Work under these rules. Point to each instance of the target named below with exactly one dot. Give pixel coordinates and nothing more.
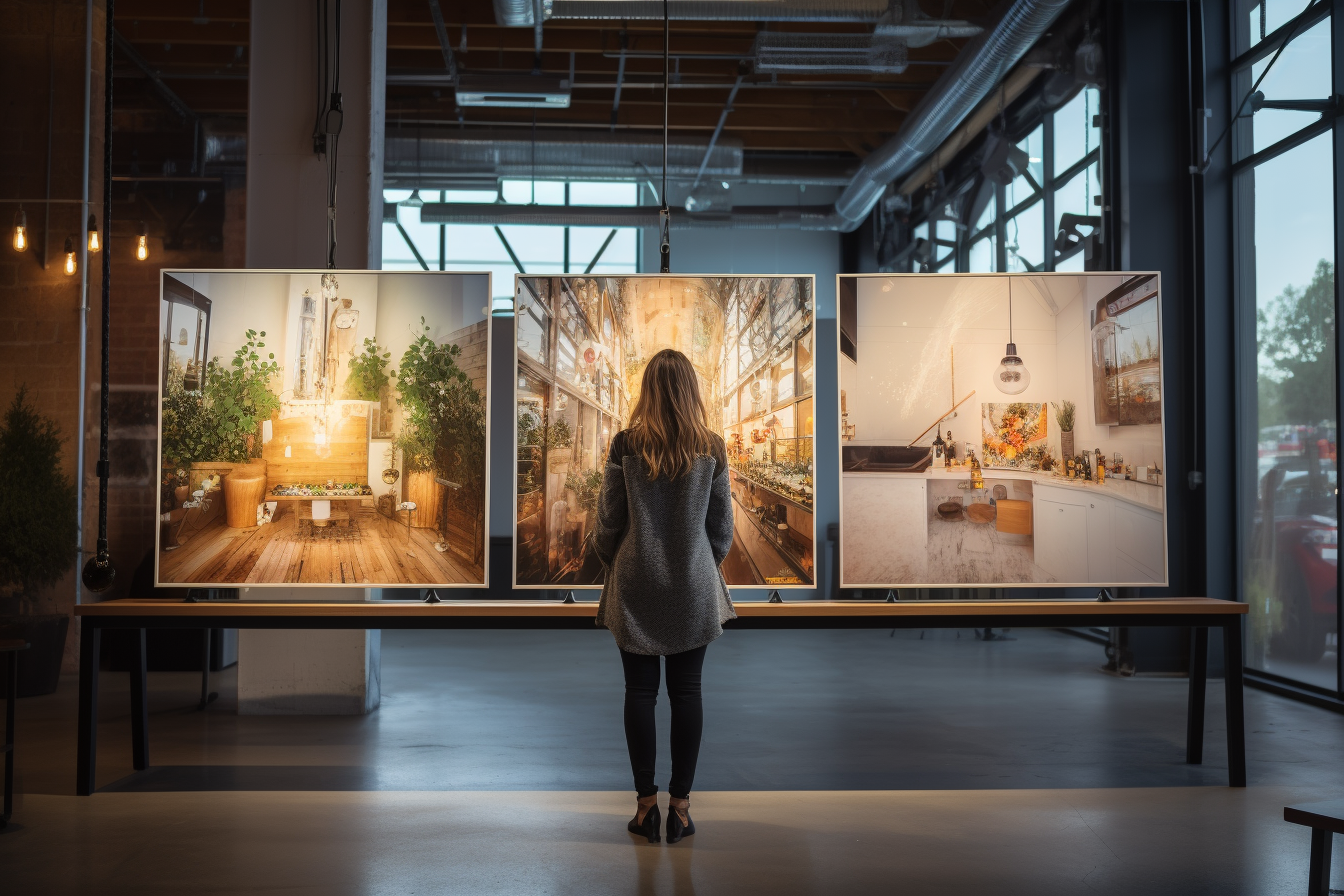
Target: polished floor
(834, 762)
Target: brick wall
(473, 342)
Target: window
(1010, 231)
(411, 245)
(1287, 201)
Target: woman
(664, 524)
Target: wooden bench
(1197, 613)
(1325, 819)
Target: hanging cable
(99, 572)
(664, 213)
(330, 113)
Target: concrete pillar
(312, 672)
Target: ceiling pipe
(792, 217)
(519, 13)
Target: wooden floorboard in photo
(374, 551)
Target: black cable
(99, 572)
(1194, 475)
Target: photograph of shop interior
(583, 344)
(1019, 320)
(963, 467)
(309, 421)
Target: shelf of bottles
(788, 474)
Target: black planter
(40, 664)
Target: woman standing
(664, 524)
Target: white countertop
(1140, 494)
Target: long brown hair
(668, 426)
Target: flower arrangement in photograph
(1014, 434)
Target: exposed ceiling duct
(518, 13)
(786, 52)
(792, 217)
(438, 160)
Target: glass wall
(1286, 200)
(409, 245)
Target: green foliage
(240, 397)
(1296, 334)
(368, 373)
(190, 433)
(37, 501)
(531, 433)
(1065, 412)
(587, 488)
(444, 415)
(559, 435)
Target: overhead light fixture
(20, 230)
(95, 243)
(1012, 376)
(142, 243)
(70, 264)
(510, 90)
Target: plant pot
(1066, 443)
(426, 493)
(244, 489)
(40, 664)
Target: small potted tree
(1064, 416)
(37, 541)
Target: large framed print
(580, 348)
(323, 428)
(1001, 430)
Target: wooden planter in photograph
(426, 493)
(244, 489)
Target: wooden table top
(1327, 815)
(821, 609)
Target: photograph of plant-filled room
(582, 345)
(323, 427)
(1001, 430)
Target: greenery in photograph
(1296, 335)
(587, 487)
(37, 502)
(189, 431)
(444, 414)
(240, 397)
(368, 373)
(1065, 413)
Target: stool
(1325, 820)
(11, 647)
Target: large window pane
(1025, 185)
(1023, 238)
(1291, 554)
(1077, 197)
(1275, 12)
(1076, 133)
(1302, 73)
(981, 257)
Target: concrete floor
(834, 762)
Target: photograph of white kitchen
(1001, 430)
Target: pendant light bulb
(1012, 376)
(20, 230)
(95, 243)
(142, 244)
(70, 264)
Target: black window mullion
(1048, 189)
(1000, 230)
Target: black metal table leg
(11, 697)
(206, 696)
(90, 641)
(1236, 714)
(1318, 881)
(139, 702)
(1194, 712)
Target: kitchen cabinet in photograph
(1061, 540)
(1140, 539)
(1101, 541)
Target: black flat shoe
(649, 828)
(675, 829)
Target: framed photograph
(580, 348)
(1001, 430)
(323, 428)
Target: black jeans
(688, 717)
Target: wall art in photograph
(581, 348)
(1001, 430)
(323, 428)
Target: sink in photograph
(886, 459)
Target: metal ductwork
(520, 13)
(711, 10)
(786, 52)
(439, 160)
(793, 217)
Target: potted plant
(38, 528)
(1064, 416)
(240, 398)
(587, 488)
(559, 444)
(369, 381)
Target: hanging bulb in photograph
(70, 264)
(20, 230)
(142, 243)
(95, 242)
(1012, 376)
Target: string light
(142, 244)
(95, 244)
(70, 264)
(20, 230)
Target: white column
(312, 672)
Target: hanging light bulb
(142, 244)
(20, 230)
(95, 244)
(329, 287)
(70, 264)
(1012, 376)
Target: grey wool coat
(661, 542)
